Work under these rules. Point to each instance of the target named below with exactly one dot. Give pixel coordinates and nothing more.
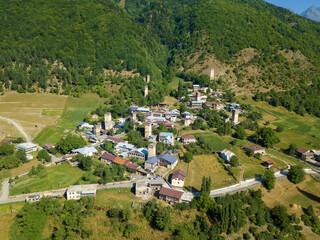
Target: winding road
(18, 127)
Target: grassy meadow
(49, 178)
(52, 112)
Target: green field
(76, 109)
(52, 112)
(49, 178)
(50, 134)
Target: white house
(226, 155)
(186, 139)
(166, 137)
(27, 147)
(177, 178)
(123, 147)
(86, 151)
(78, 191)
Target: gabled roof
(49, 145)
(121, 161)
(116, 140)
(141, 150)
(170, 193)
(302, 150)
(85, 150)
(133, 166)
(254, 148)
(187, 137)
(168, 158)
(125, 145)
(152, 160)
(179, 174)
(166, 134)
(108, 156)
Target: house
(118, 127)
(186, 139)
(151, 163)
(140, 153)
(27, 147)
(196, 104)
(85, 126)
(186, 122)
(107, 158)
(166, 137)
(217, 106)
(195, 87)
(78, 191)
(86, 151)
(316, 154)
(115, 140)
(268, 163)
(29, 157)
(256, 149)
(170, 195)
(216, 94)
(6, 141)
(123, 147)
(133, 166)
(69, 156)
(48, 145)
(187, 115)
(305, 154)
(226, 155)
(177, 178)
(121, 161)
(168, 161)
(139, 109)
(33, 197)
(146, 189)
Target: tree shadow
(309, 195)
(191, 189)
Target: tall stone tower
(198, 96)
(108, 121)
(235, 116)
(147, 129)
(134, 116)
(151, 150)
(148, 78)
(97, 129)
(212, 74)
(146, 90)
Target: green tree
(163, 218)
(188, 157)
(6, 149)
(292, 149)
(269, 179)
(234, 161)
(240, 133)
(44, 156)
(268, 137)
(70, 142)
(108, 146)
(296, 174)
(86, 163)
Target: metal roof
(168, 158)
(152, 160)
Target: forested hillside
(67, 47)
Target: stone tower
(134, 116)
(97, 129)
(235, 115)
(108, 121)
(146, 90)
(148, 78)
(212, 74)
(147, 130)
(151, 150)
(198, 96)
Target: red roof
(108, 156)
(49, 145)
(170, 193)
(254, 148)
(133, 166)
(113, 139)
(302, 150)
(179, 174)
(187, 137)
(121, 161)
(6, 141)
(69, 155)
(269, 162)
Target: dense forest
(67, 47)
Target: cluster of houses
(311, 156)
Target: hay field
(7, 130)
(27, 109)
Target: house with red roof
(305, 154)
(186, 139)
(170, 195)
(177, 178)
(256, 149)
(107, 158)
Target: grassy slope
(49, 178)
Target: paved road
(18, 127)
(4, 190)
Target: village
(154, 171)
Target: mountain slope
(312, 13)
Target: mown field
(75, 110)
(49, 178)
(27, 110)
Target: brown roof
(133, 166)
(254, 147)
(302, 150)
(6, 141)
(108, 156)
(170, 193)
(187, 137)
(113, 139)
(179, 174)
(120, 160)
(269, 162)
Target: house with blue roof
(166, 137)
(163, 160)
(140, 153)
